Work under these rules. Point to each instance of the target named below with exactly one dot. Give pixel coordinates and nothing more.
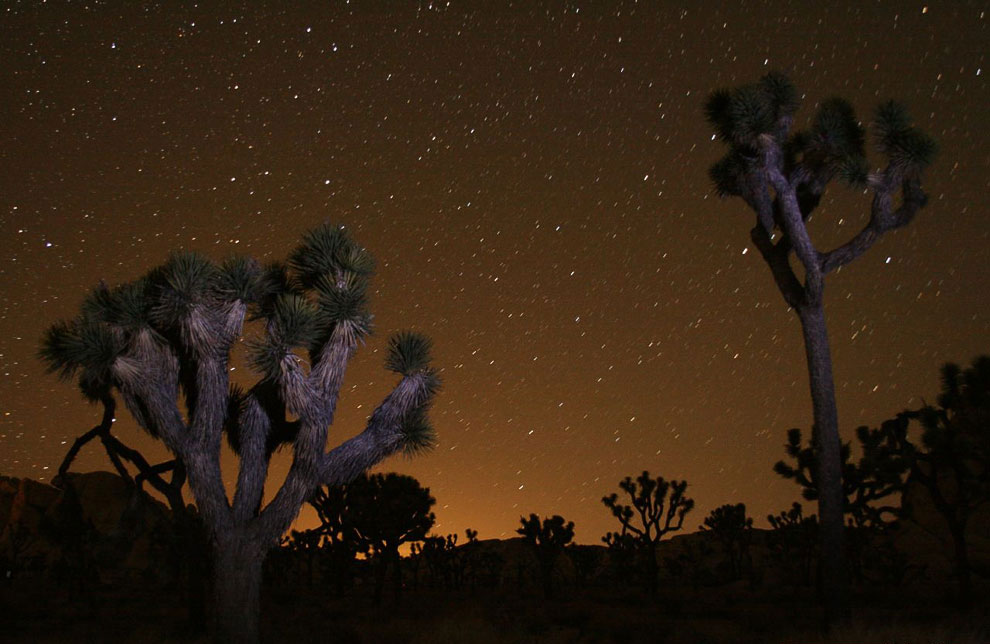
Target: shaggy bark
(166, 339)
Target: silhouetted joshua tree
(877, 476)
(734, 530)
(547, 538)
(781, 175)
(794, 542)
(187, 546)
(383, 512)
(438, 553)
(652, 515)
(953, 461)
(339, 545)
(167, 337)
(118, 452)
(879, 473)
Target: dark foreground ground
(32, 613)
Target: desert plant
(652, 515)
(733, 529)
(794, 542)
(547, 539)
(382, 512)
(952, 462)
(782, 175)
(167, 338)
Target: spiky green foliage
(83, 345)
(166, 340)
(240, 279)
(295, 322)
(344, 301)
(741, 115)
(780, 92)
(836, 129)
(186, 279)
(418, 434)
(126, 306)
(907, 147)
(408, 353)
(329, 251)
(728, 175)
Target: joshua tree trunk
(828, 447)
(237, 567)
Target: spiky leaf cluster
(418, 434)
(240, 278)
(84, 346)
(185, 280)
(329, 251)
(834, 145)
(740, 116)
(408, 353)
(343, 301)
(907, 148)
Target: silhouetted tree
(340, 544)
(438, 552)
(383, 512)
(651, 516)
(953, 461)
(733, 529)
(877, 476)
(168, 336)
(547, 538)
(187, 547)
(879, 473)
(781, 175)
(794, 541)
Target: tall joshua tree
(166, 339)
(652, 515)
(781, 175)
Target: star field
(531, 178)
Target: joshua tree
(793, 541)
(382, 512)
(547, 539)
(782, 175)
(953, 461)
(657, 515)
(438, 552)
(188, 545)
(167, 338)
(730, 525)
(118, 452)
(879, 473)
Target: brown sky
(532, 180)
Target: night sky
(531, 178)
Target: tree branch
(792, 221)
(254, 458)
(882, 217)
